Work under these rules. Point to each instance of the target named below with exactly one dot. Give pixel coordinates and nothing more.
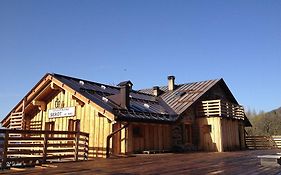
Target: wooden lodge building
(201, 116)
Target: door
(116, 140)
(188, 134)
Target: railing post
(86, 148)
(5, 150)
(45, 147)
(77, 138)
(220, 106)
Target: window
(73, 125)
(180, 94)
(137, 131)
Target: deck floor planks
(241, 162)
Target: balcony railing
(213, 108)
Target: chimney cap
(171, 77)
(124, 83)
(156, 88)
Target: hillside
(268, 123)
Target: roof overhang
(48, 86)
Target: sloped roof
(142, 106)
(184, 95)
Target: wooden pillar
(77, 138)
(45, 147)
(86, 147)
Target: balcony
(219, 108)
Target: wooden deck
(241, 162)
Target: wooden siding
(225, 135)
(91, 121)
(152, 137)
(230, 134)
(210, 140)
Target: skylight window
(146, 105)
(180, 94)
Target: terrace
(240, 162)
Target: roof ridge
(216, 79)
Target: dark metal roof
(142, 106)
(184, 95)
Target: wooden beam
(40, 104)
(56, 87)
(78, 101)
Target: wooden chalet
(201, 116)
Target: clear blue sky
(143, 41)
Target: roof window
(180, 94)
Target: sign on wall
(62, 112)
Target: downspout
(110, 136)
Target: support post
(255, 142)
(109, 137)
(77, 138)
(5, 150)
(45, 147)
(86, 148)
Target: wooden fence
(263, 142)
(30, 147)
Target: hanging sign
(62, 112)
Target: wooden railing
(27, 147)
(263, 142)
(220, 108)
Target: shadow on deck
(240, 162)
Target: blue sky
(143, 41)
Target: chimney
(125, 88)
(171, 83)
(156, 91)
